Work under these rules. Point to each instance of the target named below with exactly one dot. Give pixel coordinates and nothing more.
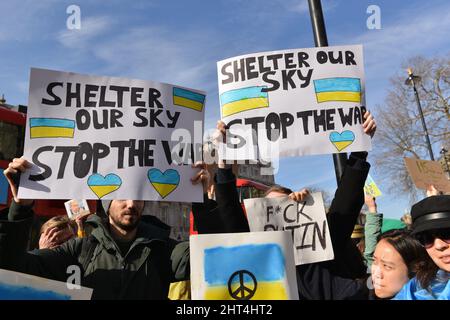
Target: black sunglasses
(426, 238)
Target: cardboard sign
(296, 102)
(370, 188)
(425, 173)
(94, 137)
(306, 221)
(243, 266)
(21, 286)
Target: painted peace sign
(242, 292)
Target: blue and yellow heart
(102, 186)
(164, 183)
(342, 140)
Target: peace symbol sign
(242, 292)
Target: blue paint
(50, 122)
(265, 261)
(11, 292)
(109, 180)
(170, 176)
(337, 84)
(4, 187)
(340, 137)
(183, 93)
(241, 94)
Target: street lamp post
(411, 81)
(321, 40)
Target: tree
(400, 131)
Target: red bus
(12, 136)
(246, 189)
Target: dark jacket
(225, 214)
(339, 279)
(329, 280)
(144, 272)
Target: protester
(335, 279)
(372, 229)
(55, 231)
(431, 227)
(122, 259)
(396, 260)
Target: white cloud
(412, 33)
(91, 27)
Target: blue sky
(180, 42)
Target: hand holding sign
(369, 124)
(15, 167)
(202, 176)
(299, 196)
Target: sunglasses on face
(427, 238)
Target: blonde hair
(60, 222)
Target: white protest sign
(306, 221)
(95, 137)
(305, 101)
(243, 266)
(21, 286)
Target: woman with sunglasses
(431, 227)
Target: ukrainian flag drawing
(239, 100)
(245, 272)
(51, 128)
(188, 99)
(338, 89)
(102, 186)
(164, 183)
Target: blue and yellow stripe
(338, 89)
(264, 261)
(188, 99)
(239, 100)
(51, 128)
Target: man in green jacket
(123, 258)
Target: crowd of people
(123, 255)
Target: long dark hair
(413, 254)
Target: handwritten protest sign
(96, 137)
(300, 101)
(21, 286)
(371, 188)
(243, 266)
(425, 173)
(306, 221)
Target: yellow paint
(164, 188)
(180, 290)
(191, 104)
(341, 145)
(51, 132)
(264, 291)
(244, 105)
(372, 190)
(102, 191)
(339, 96)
